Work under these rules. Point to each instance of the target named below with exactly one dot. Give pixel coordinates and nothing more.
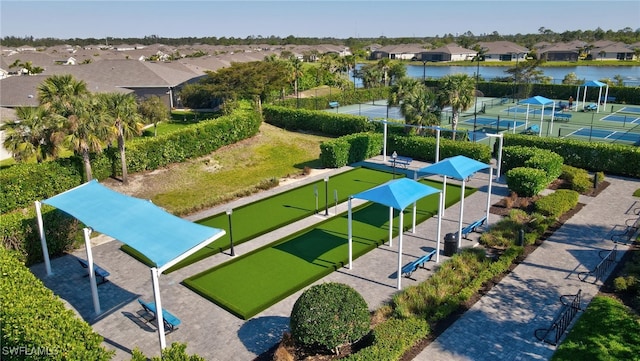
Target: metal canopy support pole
(439, 230)
(384, 143)
(158, 301)
(400, 251)
(350, 233)
(489, 197)
(461, 215)
(92, 275)
(437, 145)
(390, 226)
(43, 239)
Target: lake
(630, 74)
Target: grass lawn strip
(268, 214)
(253, 282)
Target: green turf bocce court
(252, 282)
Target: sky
(308, 18)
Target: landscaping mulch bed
(502, 208)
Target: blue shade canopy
(397, 193)
(458, 167)
(594, 83)
(536, 100)
(157, 234)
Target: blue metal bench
(402, 161)
(504, 101)
(413, 266)
(101, 274)
(609, 99)
(170, 321)
(591, 107)
(472, 227)
(334, 104)
(562, 116)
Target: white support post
(400, 251)
(92, 275)
(437, 145)
(415, 211)
(159, 316)
(390, 226)
(439, 229)
(43, 239)
(486, 222)
(384, 143)
(461, 215)
(350, 234)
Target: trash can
(450, 244)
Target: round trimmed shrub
(328, 316)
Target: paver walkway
(215, 334)
(501, 325)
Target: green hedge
(315, 121)
(19, 232)
(424, 148)
(349, 149)
(557, 203)
(527, 182)
(35, 324)
(618, 159)
(346, 97)
(22, 184)
(518, 156)
(391, 339)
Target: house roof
(502, 47)
(452, 49)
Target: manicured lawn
(606, 331)
(270, 213)
(252, 282)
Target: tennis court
(620, 118)
(497, 122)
(377, 110)
(610, 135)
(628, 109)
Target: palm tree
(415, 100)
(56, 93)
(35, 133)
(457, 91)
(88, 129)
(122, 111)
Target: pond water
(630, 74)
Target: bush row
(530, 170)
(392, 339)
(314, 121)
(34, 322)
(346, 97)
(19, 232)
(22, 184)
(617, 159)
(557, 203)
(424, 148)
(349, 149)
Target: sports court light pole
(326, 196)
(424, 71)
(394, 155)
(475, 105)
(229, 212)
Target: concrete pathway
(215, 334)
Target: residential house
(449, 52)
(613, 51)
(559, 52)
(399, 52)
(503, 51)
